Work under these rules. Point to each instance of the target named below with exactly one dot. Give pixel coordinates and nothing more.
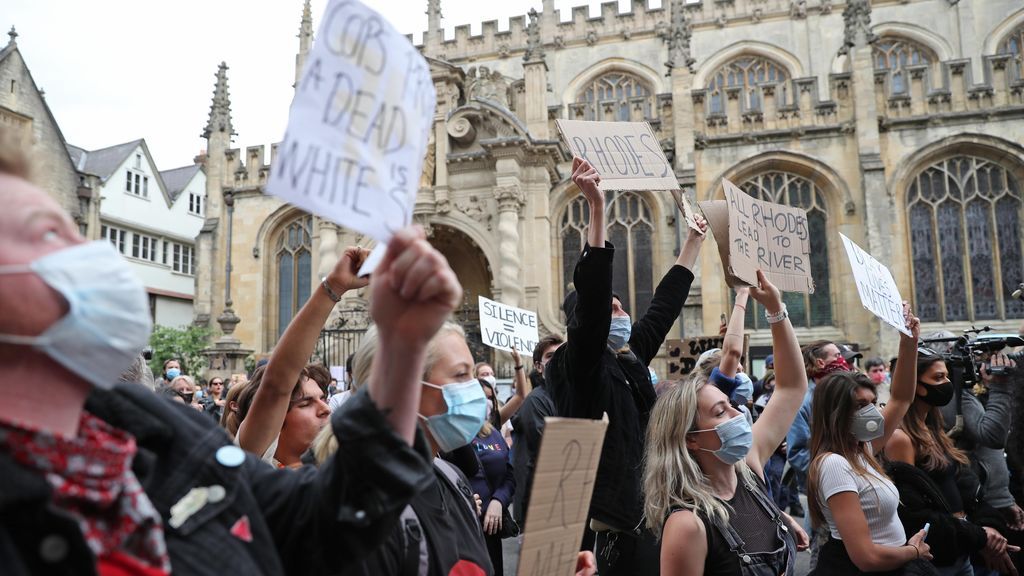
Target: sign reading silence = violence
(358, 126)
(627, 155)
(754, 234)
(506, 327)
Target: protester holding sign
(703, 476)
(846, 487)
(602, 368)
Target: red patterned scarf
(91, 476)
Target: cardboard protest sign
(753, 234)
(358, 127)
(507, 327)
(562, 486)
(878, 291)
(683, 354)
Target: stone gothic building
(895, 122)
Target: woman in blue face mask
(703, 475)
(847, 490)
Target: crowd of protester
(413, 465)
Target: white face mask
(107, 323)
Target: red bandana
(91, 476)
(838, 365)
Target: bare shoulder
(683, 526)
(900, 447)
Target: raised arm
(270, 403)
(732, 343)
(904, 380)
(790, 378)
(523, 388)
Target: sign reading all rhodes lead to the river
(507, 327)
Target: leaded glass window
(806, 310)
(965, 215)
(747, 73)
(616, 96)
(895, 53)
(293, 256)
(630, 228)
(1014, 44)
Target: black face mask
(938, 395)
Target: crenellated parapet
(948, 91)
(774, 111)
(249, 170)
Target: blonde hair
(672, 476)
(188, 380)
(324, 445)
(362, 359)
(434, 347)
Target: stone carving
(679, 36)
(721, 21)
(559, 42)
(756, 15)
(510, 198)
(474, 209)
(826, 6)
(504, 51)
(856, 24)
(534, 47)
(427, 176)
(661, 30)
(591, 38)
(798, 9)
(488, 85)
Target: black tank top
(757, 529)
(945, 478)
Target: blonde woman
(703, 480)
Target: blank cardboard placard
(358, 125)
(683, 354)
(876, 286)
(716, 212)
(562, 486)
(506, 327)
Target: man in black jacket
(104, 478)
(595, 373)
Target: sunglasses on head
(923, 352)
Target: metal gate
(342, 338)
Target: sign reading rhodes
(753, 234)
(358, 126)
(627, 155)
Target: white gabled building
(152, 218)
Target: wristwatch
(778, 316)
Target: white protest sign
(878, 291)
(507, 327)
(358, 127)
(563, 484)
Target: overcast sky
(117, 70)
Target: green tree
(185, 344)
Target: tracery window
(294, 262)
(806, 310)
(614, 96)
(630, 227)
(1014, 44)
(965, 241)
(895, 53)
(747, 73)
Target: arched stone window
(965, 240)
(630, 226)
(895, 53)
(805, 310)
(746, 73)
(1014, 44)
(293, 264)
(616, 96)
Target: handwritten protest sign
(627, 155)
(753, 234)
(683, 354)
(507, 327)
(878, 291)
(358, 126)
(562, 486)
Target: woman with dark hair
(847, 490)
(935, 482)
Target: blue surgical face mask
(467, 411)
(654, 376)
(173, 373)
(107, 323)
(868, 424)
(619, 332)
(744, 390)
(736, 438)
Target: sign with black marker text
(506, 327)
(683, 354)
(876, 286)
(358, 126)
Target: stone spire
(220, 109)
(432, 39)
(13, 36)
(857, 25)
(679, 35)
(305, 40)
(534, 45)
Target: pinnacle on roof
(220, 109)
(13, 35)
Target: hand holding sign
(877, 289)
(358, 126)
(588, 180)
